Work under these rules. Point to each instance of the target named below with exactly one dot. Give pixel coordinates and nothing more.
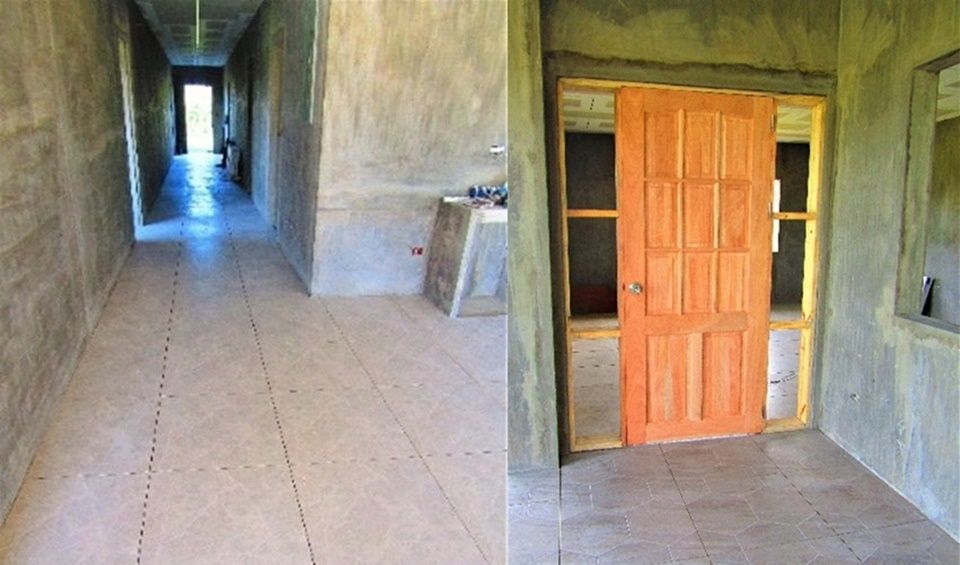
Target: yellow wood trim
(789, 325)
(565, 265)
(783, 425)
(562, 168)
(594, 443)
(606, 85)
(805, 216)
(811, 260)
(571, 413)
(591, 213)
(595, 334)
(803, 375)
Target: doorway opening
(591, 236)
(130, 131)
(794, 212)
(198, 102)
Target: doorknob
(635, 288)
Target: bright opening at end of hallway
(198, 100)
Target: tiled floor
(219, 415)
(770, 499)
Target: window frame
(918, 184)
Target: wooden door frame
(814, 232)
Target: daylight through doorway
(198, 100)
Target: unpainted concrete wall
(304, 29)
(887, 388)
(65, 211)
(255, 67)
(282, 54)
(153, 107)
(532, 431)
(415, 96)
(768, 34)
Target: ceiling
(222, 22)
(589, 111)
(948, 93)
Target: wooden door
(695, 171)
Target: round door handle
(635, 288)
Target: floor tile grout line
(169, 470)
(443, 349)
(686, 508)
(403, 429)
(159, 403)
(266, 376)
(809, 503)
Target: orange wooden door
(695, 171)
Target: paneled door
(695, 171)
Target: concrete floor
(770, 499)
(219, 415)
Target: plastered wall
(153, 107)
(65, 210)
(415, 94)
(275, 85)
(887, 389)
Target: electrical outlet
(416, 250)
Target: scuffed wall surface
(153, 107)
(784, 34)
(301, 116)
(415, 96)
(65, 210)
(888, 386)
(532, 435)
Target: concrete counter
(467, 269)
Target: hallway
(219, 415)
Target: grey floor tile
(235, 516)
(395, 503)
(88, 520)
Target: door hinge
(773, 123)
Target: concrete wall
(887, 388)
(532, 434)
(942, 261)
(767, 34)
(275, 87)
(153, 107)
(415, 96)
(793, 165)
(65, 210)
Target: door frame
(814, 233)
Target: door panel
(694, 171)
